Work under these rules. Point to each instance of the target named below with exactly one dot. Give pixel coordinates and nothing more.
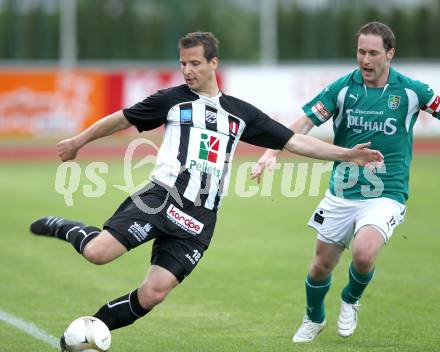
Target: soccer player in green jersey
(373, 103)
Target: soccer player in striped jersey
(202, 128)
(373, 103)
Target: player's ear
(214, 62)
(390, 54)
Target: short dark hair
(380, 29)
(205, 39)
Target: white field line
(29, 328)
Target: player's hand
(362, 156)
(268, 160)
(67, 149)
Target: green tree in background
(149, 29)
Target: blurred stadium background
(66, 63)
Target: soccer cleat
(347, 320)
(49, 225)
(63, 344)
(308, 331)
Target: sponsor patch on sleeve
(321, 111)
(186, 116)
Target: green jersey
(385, 116)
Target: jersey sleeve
(149, 113)
(265, 132)
(429, 100)
(325, 105)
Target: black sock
(77, 234)
(122, 311)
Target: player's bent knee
(95, 255)
(150, 297)
(103, 249)
(363, 263)
(320, 271)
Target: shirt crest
(393, 102)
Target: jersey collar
(215, 100)
(215, 97)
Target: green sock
(315, 293)
(356, 285)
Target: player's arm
(317, 149)
(68, 148)
(302, 125)
(268, 160)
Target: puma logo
(353, 97)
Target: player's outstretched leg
(118, 313)
(122, 311)
(127, 309)
(51, 225)
(75, 232)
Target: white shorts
(337, 220)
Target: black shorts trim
(119, 237)
(178, 255)
(167, 261)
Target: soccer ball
(87, 334)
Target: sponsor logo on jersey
(360, 120)
(206, 151)
(210, 116)
(233, 126)
(209, 147)
(140, 232)
(321, 111)
(186, 116)
(393, 102)
(184, 221)
(204, 167)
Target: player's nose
(187, 69)
(366, 60)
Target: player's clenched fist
(67, 149)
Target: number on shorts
(196, 255)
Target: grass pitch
(247, 294)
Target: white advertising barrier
(281, 91)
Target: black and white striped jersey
(200, 137)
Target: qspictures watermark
(297, 178)
(69, 174)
